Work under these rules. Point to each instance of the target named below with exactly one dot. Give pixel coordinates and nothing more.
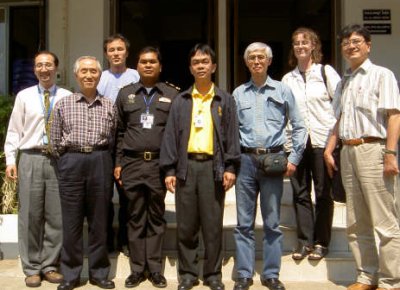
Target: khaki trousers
(372, 211)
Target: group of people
(126, 127)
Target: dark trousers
(145, 191)
(312, 229)
(122, 232)
(199, 205)
(84, 180)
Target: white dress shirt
(314, 100)
(26, 127)
(366, 94)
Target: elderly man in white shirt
(39, 216)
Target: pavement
(12, 279)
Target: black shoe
(273, 284)
(104, 283)
(243, 284)
(187, 284)
(158, 280)
(134, 279)
(68, 285)
(215, 284)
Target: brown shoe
(53, 277)
(33, 281)
(387, 288)
(361, 286)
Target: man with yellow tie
(200, 154)
(39, 215)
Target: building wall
(76, 28)
(385, 48)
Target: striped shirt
(366, 94)
(314, 100)
(76, 123)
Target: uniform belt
(200, 156)
(37, 150)
(146, 155)
(259, 151)
(86, 149)
(359, 141)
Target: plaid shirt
(76, 123)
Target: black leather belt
(259, 151)
(200, 156)
(42, 151)
(146, 155)
(86, 149)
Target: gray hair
(76, 64)
(255, 46)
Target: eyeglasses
(47, 65)
(298, 43)
(253, 58)
(355, 41)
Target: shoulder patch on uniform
(173, 86)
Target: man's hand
(390, 166)
(291, 168)
(117, 174)
(170, 183)
(330, 163)
(11, 172)
(229, 180)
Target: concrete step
(336, 267)
(12, 278)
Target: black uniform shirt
(130, 105)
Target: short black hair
(148, 49)
(204, 49)
(56, 61)
(113, 37)
(348, 30)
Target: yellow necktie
(46, 95)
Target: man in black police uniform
(142, 114)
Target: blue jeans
(250, 182)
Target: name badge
(45, 139)
(198, 121)
(147, 120)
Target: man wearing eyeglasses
(368, 113)
(264, 106)
(39, 215)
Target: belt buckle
(147, 155)
(261, 151)
(86, 149)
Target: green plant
(8, 196)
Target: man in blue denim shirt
(264, 107)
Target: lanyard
(148, 103)
(47, 114)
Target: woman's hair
(316, 54)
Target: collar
(209, 94)
(79, 97)
(52, 89)
(142, 88)
(268, 83)
(363, 68)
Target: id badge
(198, 121)
(45, 139)
(147, 120)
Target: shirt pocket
(162, 111)
(245, 113)
(132, 114)
(366, 101)
(275, 111)
(107, 122)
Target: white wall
(76, 28)
(385, 48)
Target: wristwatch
(387, 151)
